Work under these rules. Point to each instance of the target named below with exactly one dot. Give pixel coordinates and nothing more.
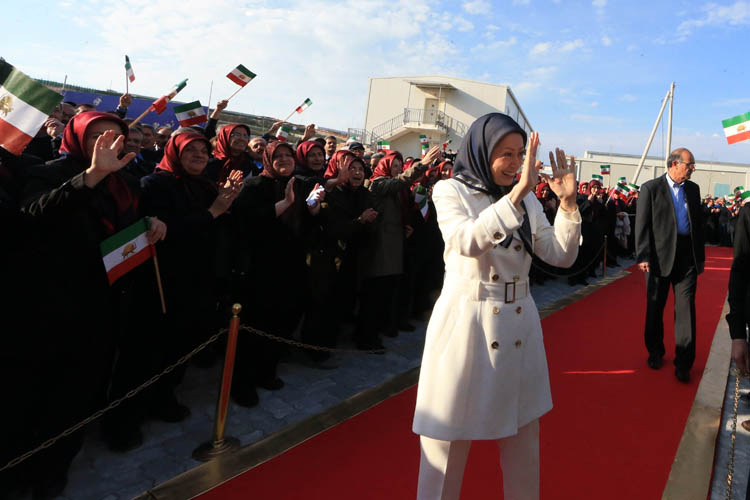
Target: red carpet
(613, 432)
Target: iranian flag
(126, 250)
(737, 128)
(423, 139)
(420, 198)
(304, 106)
(633, 187)
(241, 75)
(283, 133)
(129, 70)
(622, 180)
(190, 114)
(425, 147)
(622, 190)
(597, 177)
(445, 144)
(604, 169)
(384, 145)
(739, 188)
(351, 139)
(24, 107)
(744, 196)
(160, 105)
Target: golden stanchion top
(236, 309)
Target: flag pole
(158, 281)
(290, 115)
(141, 117)
(235, 93)
(210, 93)
(62, 91)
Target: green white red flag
(425, 148)
(423, 139)
(24, 107)
(384, 145)
(597, 177)
(241, 75)
(737, 128)
(420, 198)
(283, 133)
(191, 113)
(160, 105)
(304, 105)
(129, 70)
(126, 250)
(604, 169)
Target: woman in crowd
(76, 202)
(484, 372)
(273, 218)
(385, 251)
(231, 154)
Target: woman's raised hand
(530, 173)
(106, 157)
(343, 167)
(227, 193)
(562, 182)
(432, 155)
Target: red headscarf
(384, 165)
(539, 189)
(222, 151)
(170, 162)
(333, 164)
(593, 182)
(74, 145)
(303, 150)
(583, 188)
(268, 170)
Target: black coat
(739, 278)
(656, 226)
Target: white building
(713, 177)
(400, 109)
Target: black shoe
(122, 441)
(682, 375)
(246, 397)
(406, 327)
(170, 410)
(654, 362)
(273, 384)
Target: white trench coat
(484, 369)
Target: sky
(589, 75)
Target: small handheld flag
(191, 113)
(304, 106)
(420, 198)
(425, 147)
(160, 105)
(445, 144)
(737, 128)
(597, 177)
(24, 107)
(283, 133)
(129, 70)
(423, 139)
(126, 250)
(604, 169)
(384, 145)
(241, 75)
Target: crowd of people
(308, 236)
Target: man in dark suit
(670, 250)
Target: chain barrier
(331, 350)
(115, 403)
(730, 466)
(568, 275)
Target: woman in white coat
(484, 370)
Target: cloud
(628, 98)
(476, 7)
(545, 48)
(595, 119)
(733, 102)
(736, 14)
(606, 41)
(524, 88)
(521, 2)
(599, 4)
(594, 104)
(496, 45)
(541, 72)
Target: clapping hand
(106, 157)
(343, 166)
(369, 215)
(563, 180)
(433, 154)
(227, 193)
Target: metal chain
(730, 467)
(115, 403)
(301, 345)
(554, 275)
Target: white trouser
(441, 468)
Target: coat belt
(508, 292)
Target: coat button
(495, 310)
(518, 344)
(497, 235)
(519, 309)
(517, 248)
(494, 345)
(495, 277)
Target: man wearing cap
(670, 250)
(358, 149)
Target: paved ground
(99, 474)
(742, 444)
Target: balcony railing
(418, 117)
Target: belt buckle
(511, 300)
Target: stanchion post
(604, 261)
(220, 443)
